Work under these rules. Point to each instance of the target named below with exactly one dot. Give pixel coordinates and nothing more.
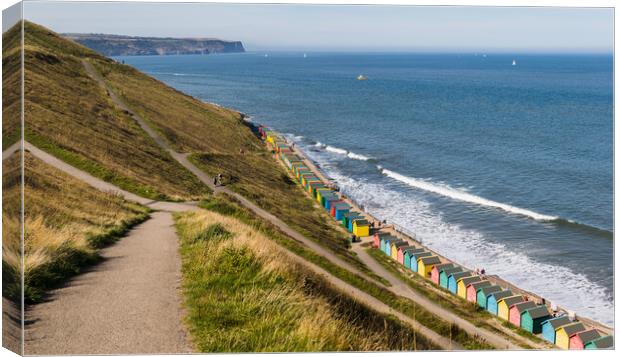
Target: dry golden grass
(65, 221)
(244, 293)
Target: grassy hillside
(11, 85)
(243, 293)
(69, 115)
(65, 222)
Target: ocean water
(502, 167)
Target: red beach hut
(514, 313)
(472, 289)
(578, 340)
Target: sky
(344, 28)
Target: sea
(497, 166)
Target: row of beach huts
(564, 332)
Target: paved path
(130, 303)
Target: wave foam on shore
(456, 194)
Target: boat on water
(362, 77)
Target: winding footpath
(131, 303)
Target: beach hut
(426, 264)
(328, 200)
(348, 219)
(532, 319)
(444, 273)
(315, 186)
(514, 312)
(400, 255)
(395, 247)
(415, 257)
(483, 292)
(601, 343)
(494, 298)
(385, 244)
(377, 237)
(461, 284)
(340, 210)
(408, 256)
(361, 227)
(453, 279)
(503, 305)
(551, 325)
(563, 333)
(332, 207)
(319, 194)
(472, 289)
(436, 269)
(311, 180)
(577, 341)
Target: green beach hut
(444, 273)
(601, 343)
(532, 319)
(483, 292)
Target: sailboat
(514, 63)
(362, 77)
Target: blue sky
(344, 28)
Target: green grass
(471, 312)
(243, 294)
(227, 206)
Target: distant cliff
(117, 45)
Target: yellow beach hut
(563, 334)
(361, 228)
(461, 285)
(503, 305)
(426, 264)
(395, 246)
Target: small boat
(362, 77)
(514, 63)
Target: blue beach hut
(550, 326)
(407, 252)
(493, 298)
(454, 278)
(340, 210)
(414, 259)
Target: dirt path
(129, 303)
(492, 338)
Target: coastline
(408, 236)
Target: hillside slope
(70, 115)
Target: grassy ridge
(65, 221)
(70, 114)
(228, 207)
(11, 86)
(244, 294)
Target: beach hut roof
(603, 342)
(588, 335)
(573, 328)
(390, 239)
(511, 300)
(352, 214)
(430, 260)
(522, 306)
(460, 274)
(342, 205)
(421, 254)
(536, 312)
(413, 251)
(469, 279)
(451, 270)
(400, 243)
(479, 284)
(501, 294)
(439, 267)
(556, 322)
(361, 222)
(409, 249)
(488, 289)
